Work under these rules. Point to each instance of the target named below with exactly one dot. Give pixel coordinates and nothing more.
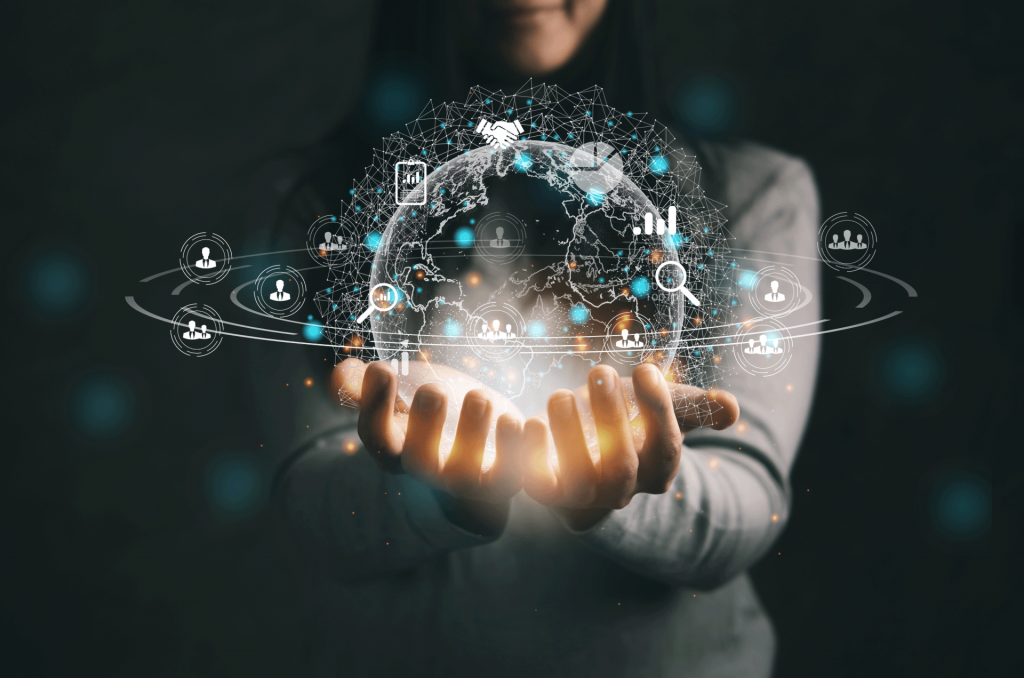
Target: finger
(423, 434)
(696, 408)
(539, 478)
(347, 381)
(462, 469)
(505, 477)
(577, 475)
(663, 442)
(376, 427)
(615, 437)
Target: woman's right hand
(406, 437)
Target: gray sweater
(655, 589)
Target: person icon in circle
(192, 334)
(206, 261)
(203, 334)
(834, 245)
(861, 245)
(328, 245)
(280, 294)
(499, 242)
(752, 347)
(775, 296)
(846, 244)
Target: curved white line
(863, 290)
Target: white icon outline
(374, 307)
(403, 165)
(682, 284)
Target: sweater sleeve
(730, 499)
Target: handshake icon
(499, 134)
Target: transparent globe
(519, 271)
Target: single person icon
(775, 296)
(846, 244)
(752, 348)
(764, 348)
(192, 335)
(280, 294)
(203, 334)
(834, 245)
(861, 245)
(775, 347)
(206, 261)
(499, 242)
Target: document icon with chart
(411, 182)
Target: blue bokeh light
(658, 165)
(58, 283)
(707, 105)
(579, 314)
(234, 486)
(912, 370)
(537, 329)
(464, 237)
(394, 97)
(747, 280)
(640, 287)
(960, 505)
(103, 406)
(313, 331)
(372, 240)
(595, 196)
(523, 162)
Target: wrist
(477, 517)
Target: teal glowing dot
(419, 289)
(658, 165)
(472, 221)
(640, 287)
(487, 101)
(335, 307)
(443, 125)
(588, 113)
(379, 190)
(711, 253)
(600, 280)
(352, 191)
(464, 237)
(619, 253)
(523, 162)
(733, 302)
(334, 218)
(610, 123)
(595, 196)
(509, 111)
(469, 124)
(747, 280)
(544, 137)
(358, 208)
(313, 332)
(579, 314)
(629, 114)
(372, 240)
(536, 329)
(529, 102)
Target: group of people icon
(847, 244)
(775, 296)
(761, 347)
(499, 242)
(206, 261)
(495, 333)
(192, 334)
(626, 342)
(329, 244)
(280, 294)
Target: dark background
(135, 538)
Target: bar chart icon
(404, 363)
(650, 227)
(409, 176)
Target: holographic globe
(520, 269)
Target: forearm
(358, 520)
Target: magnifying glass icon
(682, 282)
(383, 298)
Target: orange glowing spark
(350, 447)
(308, 382)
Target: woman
(636, 567)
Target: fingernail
(508, 426)
(474, 408)
(562, 407)
(427, 402)
(650, 378)
(603, 380)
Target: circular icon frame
(272, 274)
(179, 322)
(761, 303)
(318, 250)
(756, 345)
(487, 348)
(829, 243)
(505, 254)
(191, 270)
(628, 355)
